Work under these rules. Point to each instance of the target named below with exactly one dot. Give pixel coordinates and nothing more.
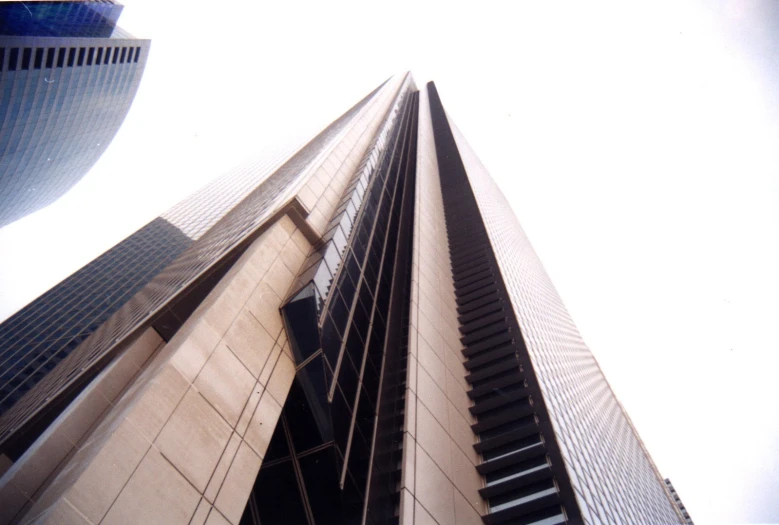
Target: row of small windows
(24, 58)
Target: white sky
(636, 143)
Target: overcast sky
(636, 143)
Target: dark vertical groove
(526, 480)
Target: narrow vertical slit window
(81, 54)
(39, 58)
(116, 55)
(90, 56)
(99, 57)
(72, 57)
(124, 54)
(61, 57)
(50, 57)
(13, 58)
(26, 57)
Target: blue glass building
(68, 76)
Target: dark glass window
(39, 58)
(26, 57)
(72, 57)
(99, 57)
(347, 379)
(116, 55)
(50, 57)
(90, 56)
(61, 57)
(124, 53)
(82, 52)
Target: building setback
(68, 76)
(364, 335)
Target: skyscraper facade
(68, 76)
(362, 334)
(678, 501)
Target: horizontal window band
(482, 407)
(487, 344)
(490, 423)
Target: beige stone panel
(457, 371)
(464, 513)
(248, 410)
(62, 513)
(459, 398)
(466, 478)
(286, 350)
(224, 310)
(411, 413)
(431, 363)
(215, 518)
(201, 513)
(434, 490)
(119, 373)
(451, 337)
(250, 342)
(432, 397)
(152, 406)
(331, 196)
(194, 438)
(262, 254)
(435, 320)
(270, 364)
(292, 256)
(279, 278)
(461, 433)
(281, 379)
(431, 335)
(428, 305)
(329, 167)
(194, 351)
(238, 484)
(287, 225)
(107, 472)
(407, 503)
(225, 383)
(215, 483)
(413, 335)
(263, 424)
(264, 304)
(422, 517)
(316, 187)
(434, 439)
(91, 404)
(301, 242)
(317, 221)
(282, 340)
(409, 453)
(156, 493)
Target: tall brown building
(365, 336)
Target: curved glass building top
(68, 77)
(91, 19)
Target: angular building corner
(68, 76)
(357, 333)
